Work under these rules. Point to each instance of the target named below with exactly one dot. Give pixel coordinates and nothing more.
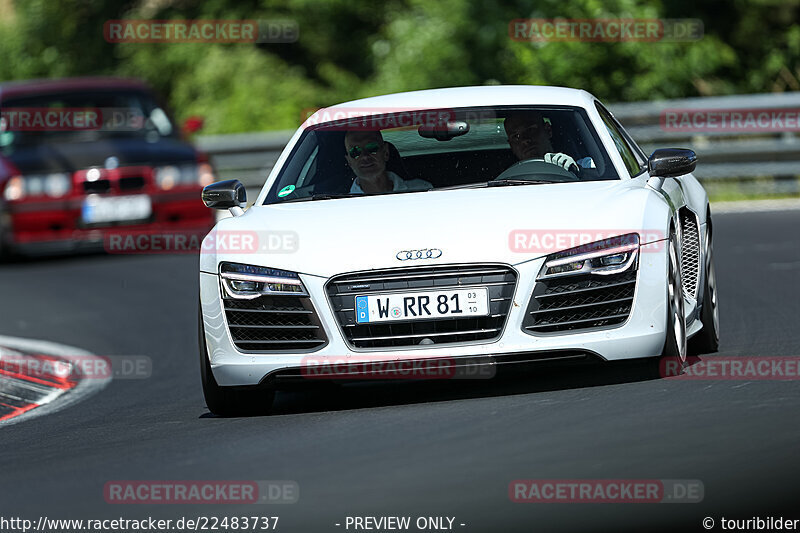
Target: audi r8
(480, 226)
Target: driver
(529, 137)
(367, 154)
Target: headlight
(15, 189)
(205, 174)
(167, 177)
(248, 282)
(171, 176)
(54, 185)
(609, 256)
(34, 185)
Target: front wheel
(230, 401)
(707, 339)
(5, 249)
(673, 356)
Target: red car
(83, 158)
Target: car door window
(641, 157)
(634, 164)
(309, 169)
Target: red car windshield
(82, 117)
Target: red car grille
(124, 179)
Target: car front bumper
(54, 226)
(642, 335)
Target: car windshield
(414, 151)
(82, 116)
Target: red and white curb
(36, 378)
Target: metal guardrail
(247, 157)
(723, 155)
(760, 162)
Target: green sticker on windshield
(286, 191)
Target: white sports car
(478, 226)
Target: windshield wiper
(462, 186)
(322, 196)
(505, 182)
(333, 196)
(493, 183)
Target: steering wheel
(537, 167)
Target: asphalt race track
(408, 449)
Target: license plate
(422, 305)
(97, 209)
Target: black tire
(707, 339)
(673, 356)
(230, 401)
(5, 250)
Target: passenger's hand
(562, 160)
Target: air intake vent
(132, 183)
(572, 303)
(98, 186)
(690, 253)
(274, 323)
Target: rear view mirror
(192, 125)
(228, 194)
(671, 162)
(444, 131)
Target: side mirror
(228, 194)
(669, 163)
(192, 125)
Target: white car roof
(493, 95)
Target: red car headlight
(53, 185)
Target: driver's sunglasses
(371, 148)
(526, 133)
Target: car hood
(69, 157)
(329, 237)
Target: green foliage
(355, 48)
(42, 39)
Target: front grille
(98, 186)
(131, 184)
(579, 302)
(123, 179)
(500, 281)
(690, 254)
(274, 323)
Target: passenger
(367, 154)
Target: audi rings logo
(425, 253)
